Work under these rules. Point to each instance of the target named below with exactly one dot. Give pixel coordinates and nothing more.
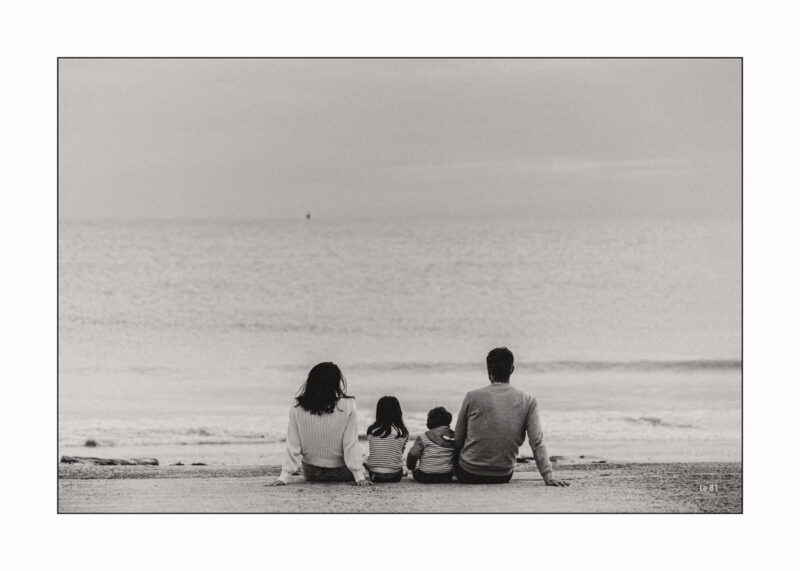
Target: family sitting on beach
(322, 439)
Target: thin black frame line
(741, 276)
(403, 57)
(741, 264)
(58, 275)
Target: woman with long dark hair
(322, 437)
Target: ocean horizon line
(638, 365)
(300, 217)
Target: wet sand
(698, 487)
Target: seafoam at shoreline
(269, 453)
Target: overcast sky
(364, 138)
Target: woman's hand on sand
(276, 482)
(555, 482)
(361, 483)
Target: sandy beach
(595, 488)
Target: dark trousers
(320, 474)
(424, 478)
(379, 477)
(469, 478)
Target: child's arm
(414, 454)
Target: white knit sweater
(327, 440)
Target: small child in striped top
(432, 456)
(387, 438)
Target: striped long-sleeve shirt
(433, 456)
(386, 454)
(327, 440)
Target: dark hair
(439, 417)
(500, 364)
(323, 388)
(388, 414)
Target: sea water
(186, 340)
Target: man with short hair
(491, 427)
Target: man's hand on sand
(555, 482)
(361, 483)
(276, 482)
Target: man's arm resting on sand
(536, 440)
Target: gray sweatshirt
(491, 427)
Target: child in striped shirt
(387, 438)
(431, 458)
